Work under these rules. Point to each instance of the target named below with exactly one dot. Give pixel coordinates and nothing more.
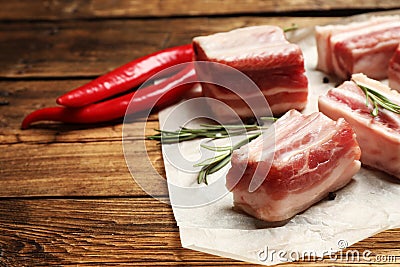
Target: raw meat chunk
(358, 47)
(312, 156)
(263, 54)
(379, 137)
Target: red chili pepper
(160, 95)
(126, 77)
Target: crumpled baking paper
(366, 206)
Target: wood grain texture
(90, 48)
(23, 97)
(116, 231)
(78, 169)
(65, 9)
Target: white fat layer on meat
(369, 29)
(357, 49)
(266, 92)
(259, 42)
(383, 89)
(262, 50)
(355, 25)
(348, 94)
(278, 90)
(253, 39)
(322, 48)
(280, 108)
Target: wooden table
(67, 197)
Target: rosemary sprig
(206, 131)
(378, 100)
(291, 28)
(212, 165)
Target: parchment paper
(366, 206)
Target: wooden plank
(77, 169)
(114, 232)
(24, 97)
(64, 9)
(73, 48)
(91, 48)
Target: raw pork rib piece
(379, 137)
(262, 53)
(314, 155)
(394, 70)
(358, 47)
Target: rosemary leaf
(220, 164)
(217, 148)
(212, 160)
(269, 118)
(378, 100)
(202, 176)
(291, 28)
(214, 164)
